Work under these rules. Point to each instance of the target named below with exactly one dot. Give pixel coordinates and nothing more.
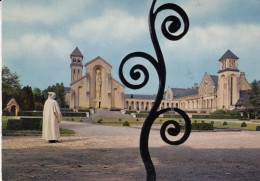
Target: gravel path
(100, 152)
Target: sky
(38, 37)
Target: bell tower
(228, 81)
(76, 65)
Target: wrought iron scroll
(169, 27)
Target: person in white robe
(51, 119)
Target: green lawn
(235, 125)
(4, 131)
(113, 120)
(75, 119)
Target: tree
(38, 95)
(27, 99)
(253, 103)
(38, 98)
(10, 86)
(60, 93)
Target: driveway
(99, 152)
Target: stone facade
(97, 89)
(222, 91)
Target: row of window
(74, 71)
(76, 61)
(183, 105)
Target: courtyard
(101, 152)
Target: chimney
(242, 74)
(195, 86)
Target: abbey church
(97, 89)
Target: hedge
(202, 126)
(7, 113)
(14, 124)
(73, 114)
(129, 112)
(126, 123)
(64, 114)
(115, 109)
(214, 116)
(141, 115)
(30, 113)
(172, 116)
(66, 110)
(83, 110)
(257, 128)
(31, 123)
(24, 124)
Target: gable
(207, 86)
(98, 61)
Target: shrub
(38, 106)
(126, 123)
(83, 110)
(225, 123)
(72, 119)
(81, 120)
(160, 120)
(120, 120)
(73, 114)
(100, 121)
(14, 124)
(195, 121)
(31, 123)
(30, 113)
(202, 121)
(212, 122)
(141, 115)
(202, 126)
(66, 110)
(24, 124)
(137, 119)
(257, 128)
(243, 124)
(172, 116)
(244, 118)
(115, 109)
(7, 113)
(129, 112)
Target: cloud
(201, 7)
(35, 48)
(216, 38)
(48, 12)
(112, 24)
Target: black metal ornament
(169, 27)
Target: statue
(51, 119)
(98, 84)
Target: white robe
(51, 118)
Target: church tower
(76, 65)
(228, 81)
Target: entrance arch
(12, 104)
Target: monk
(51, 119)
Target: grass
(113, 120)
(24, 132)
(234, 125)
(74, 119)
